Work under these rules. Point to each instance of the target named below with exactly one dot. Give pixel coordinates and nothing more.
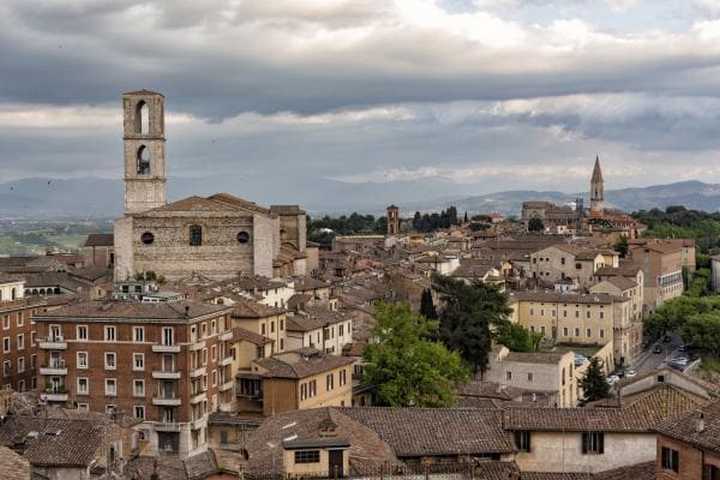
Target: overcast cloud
(483, 94)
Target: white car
(630, 373)
(613, 379)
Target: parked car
(667, 339)
(630, 373)
(613, 379)
(657, 349)
(683, 348)
(580, 359)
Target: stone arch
(142, 118)
(143, 160)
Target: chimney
(700, 426)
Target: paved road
(648, 360)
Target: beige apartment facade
(547, 373)
(662, 265)
(562, 262)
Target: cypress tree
(594, 383)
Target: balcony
(199, 345)
(160, 348)
(167, 427)
(56, 368)
(226, 361)
(166, 401)
(200, 423)
(166, 375)
(52, 343)
(224, 387)
(226, 336)
(56, 393)
(198, 397)
(198, 372)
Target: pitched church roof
(597, 172)
(220, 202)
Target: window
(329, 381)
(168, 337)
(143, 160)
(243, 237)
(195, 235)
(213, 353)
(140, 412)
(6, 344)
(110, 333)
(342, 377)
(530, 376)
(33, 361)
(312, 388)
(83, 386)
(213, 327)
(522, 441)
(110, 387)
(6, 322)
(82, 332)
(589, 333)
(577, 332)
(711, 472)
(303, 391)
(20, 319)
(138, 334)
(83, 407)
(602, 333)
(82, 360)
(110, 409)
(272, 327)
(138, 362)
(147, 238)
(593, 443)
(138, 388)
(21, 365)
(565, 331)
(262, 329)
(7, 368)
(307, 456)
(214, 378)
(670, 459)
(110, 360)
(508, 375)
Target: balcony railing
(54, 367)
(166, 374)
(162, 348)
(52, 343)
(166, 401)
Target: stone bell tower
(144, 150)
(597, 189)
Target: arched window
(195, 235)
(143, 160)
(142, 118)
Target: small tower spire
(597, 189)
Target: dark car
(667, 339)
(657, 349)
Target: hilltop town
(210, 338)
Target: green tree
(622, 246)
(702, 331)
(594, 384)
(427, 307)
(406, 367)
(518, 338)
(536, 225)
(470, 317)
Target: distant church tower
(144, 150)
(597, 189)
(393, 220)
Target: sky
(474, 95)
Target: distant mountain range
(99, 197)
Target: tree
(536, 225)
(594, 384)
(406, 367)
(427, 308)
(702, 331)
(518, 338)
(465, 220)
(622, 246)
(470, 318)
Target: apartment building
(18, 354)
(166, 364)
(627, 335)
(561, 262)
(574, 318)
(300, 379)
(550, 374)
(321, 328)
(662, 265)
(267, 321)
(688, 447)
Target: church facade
(218, 236)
